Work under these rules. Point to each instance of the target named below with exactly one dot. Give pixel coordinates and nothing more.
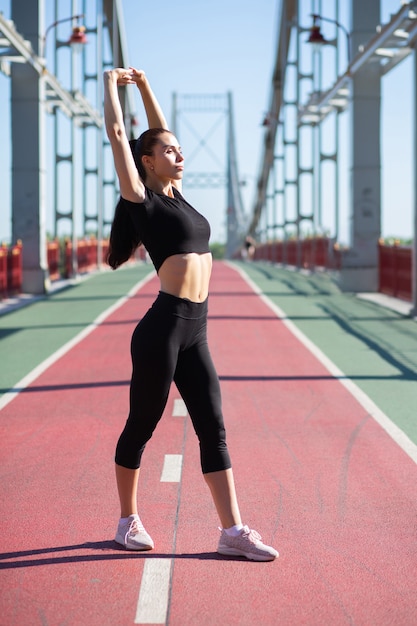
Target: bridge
(320, 100)
(303, 98)
(318, 367)
(60, 160)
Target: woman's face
(167, 159)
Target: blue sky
(214, 47)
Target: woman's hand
(138, 77)
(120, 75)
(156, 118)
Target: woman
(170, 342)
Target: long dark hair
(123, 237)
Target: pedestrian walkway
(324, 460)
(374, 346)
(31, 334)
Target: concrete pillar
(28, 152)
(360, 265)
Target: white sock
(233, 531)
(125, 520)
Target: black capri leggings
(170, 343)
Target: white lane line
(171, 471)
(399, 436)
(179, 410)
(153, 598)
(42, 367)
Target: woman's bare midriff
(186, 275)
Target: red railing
(3, 271)
(87, 255)
(59, 258)
(395, 262)
(10, 270)
(305, 253)
(53, 257)
(395, 271)
(14, 269)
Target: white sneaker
(247, 543)
(132, 535)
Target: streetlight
(77, 39)
(317, 38)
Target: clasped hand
(130, 76)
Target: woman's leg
(127, 486)
(130, 531)
(199, 386)
(154, 354)
(222, 488)
(198, 383)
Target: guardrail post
(14, 269)
(53, 259)
(3, 271)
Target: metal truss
(15, 49)
(219, 105)
(77, 168)
(392, 43)
(287, 16)
(205, 180)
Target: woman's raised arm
(154, 113)
(131, 186)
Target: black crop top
(168, 226)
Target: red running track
(315, 475)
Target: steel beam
(392, 43)
(55, 95)
(286, 22)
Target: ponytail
(123, 237)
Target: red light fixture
(316, 36)
(78, 37)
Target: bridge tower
(204, 126)
(62, 176)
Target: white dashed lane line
(152, 607)
(179, 410)
(153, 599)
(171, 471)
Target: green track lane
(31, 334)
(375, 347)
